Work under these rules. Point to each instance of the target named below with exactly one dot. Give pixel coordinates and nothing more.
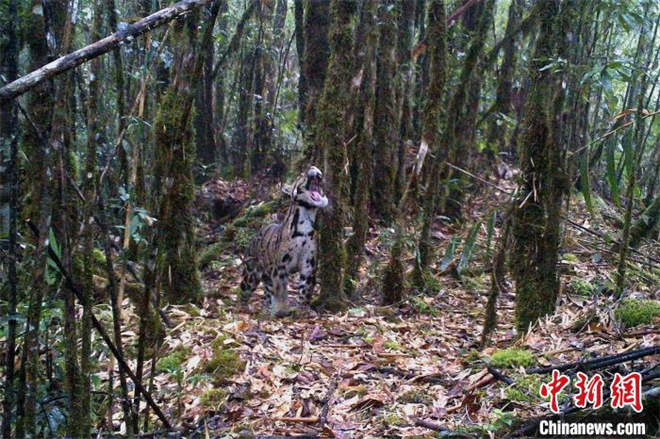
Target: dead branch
(87, 53)
(308, 420)
(326, 401)
(500, 376)
(430, 425)
(598, 363)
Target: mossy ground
(224, 363)
(213, 399)
(635, 312)
(512, 357)
(172, 361)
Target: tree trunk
(406, 79)
(315, 64)
(432, 113)
(205, 115)
(385, 136)
(536, 210)
(331, 141)
(363, 156)
(9, 139)
(462, 110)
(502, 105)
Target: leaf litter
(373, 370)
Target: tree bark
(385, 156)
(363, 156)
(315, 64)
(432, 114)
(331, 141)
(536, 211)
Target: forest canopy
(328, 218)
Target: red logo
(554, 388)
(590, 391)
(627, 391)
(624, 390)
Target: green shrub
(635, 312)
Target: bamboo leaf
(52, 242)
(611, 172)
(584, 180)
(490, 230)
(468, 247)
(449, 254)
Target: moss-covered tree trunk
(299, 19)
(9, 51)
(502, 105)
(385, 133)
(204, 120)
(405, 81)
(315, 63)
(536, 210)
(175, 154)
(245, 108)
(331, 141)
(647, 223)
(38, 208)
(463, 108)
(263, 71)
(432, 114)
(363, 157)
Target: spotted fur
(279, 250)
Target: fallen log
(598, 363)
(105, 45)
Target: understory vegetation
(488, 212)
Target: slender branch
(81, 56)
(104, 335)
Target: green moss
(172, 361)
(581, 287)
(525, 389)
(416, 397)
(393, 419)
(512, 357)
(230, 233)
(635, 312)
(422, 307)
(393, 345)
(224, 363)
(213, 398)
(211, 253)
(473, 356)
(570, 258)
(99, 257)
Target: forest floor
(376, 371)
